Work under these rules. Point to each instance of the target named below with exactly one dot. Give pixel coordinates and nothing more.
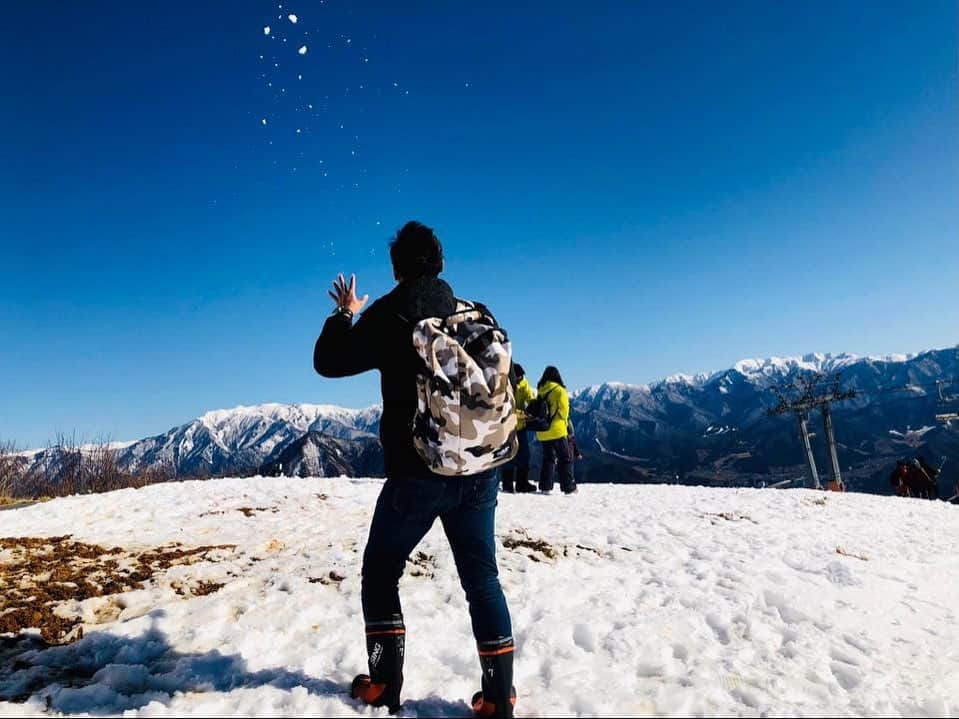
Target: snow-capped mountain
(244, 438)
(765, 371)
(714, 427)
(709, 428)
(319, 455)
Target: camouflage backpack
(465, 421)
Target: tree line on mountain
(70, 467)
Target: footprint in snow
(848, 676)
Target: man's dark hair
(416, 252)
(551, 374)
(518, 370)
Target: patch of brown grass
(331, 578)
(422, 565)
(537, 545)
(729, 517)
(38, 574)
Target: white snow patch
(706, 601)
(912, 437)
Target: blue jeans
(521, 460)
(405, 511)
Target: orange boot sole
(484, 709)
(371, 694)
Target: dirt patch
(250, 511)
(40, 573)
(246, 511)
(538, 546)
(199, 589)
(15, 503)
(422, 565)
(578, 549)
(847, 553)
(729, 517)
(330, 579)
(274, 546)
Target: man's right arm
(344, 349)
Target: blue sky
(635, 189)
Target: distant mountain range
(714, 429)
(702, 429)
(245, 440)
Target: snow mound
(702, 601)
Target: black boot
(385, 646)
(507, 475)
(522, 481)
(498, 695)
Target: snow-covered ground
(648, 600)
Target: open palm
(344, 295)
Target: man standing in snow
(413, 497)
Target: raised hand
(345, 295)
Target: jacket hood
(424, 297)
(547, 387)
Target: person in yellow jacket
(554, 439)
(518, 468)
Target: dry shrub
(68, 467)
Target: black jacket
(382, 339)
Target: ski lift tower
(946, 417)
(807, 401)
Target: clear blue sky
(636, 189)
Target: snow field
(626, 600)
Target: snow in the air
(302, 50)
(263, 121)
(293, 18)
(266, 30)
(626, 600)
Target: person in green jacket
(554, 440)
(518, 467)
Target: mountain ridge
(707, 428)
